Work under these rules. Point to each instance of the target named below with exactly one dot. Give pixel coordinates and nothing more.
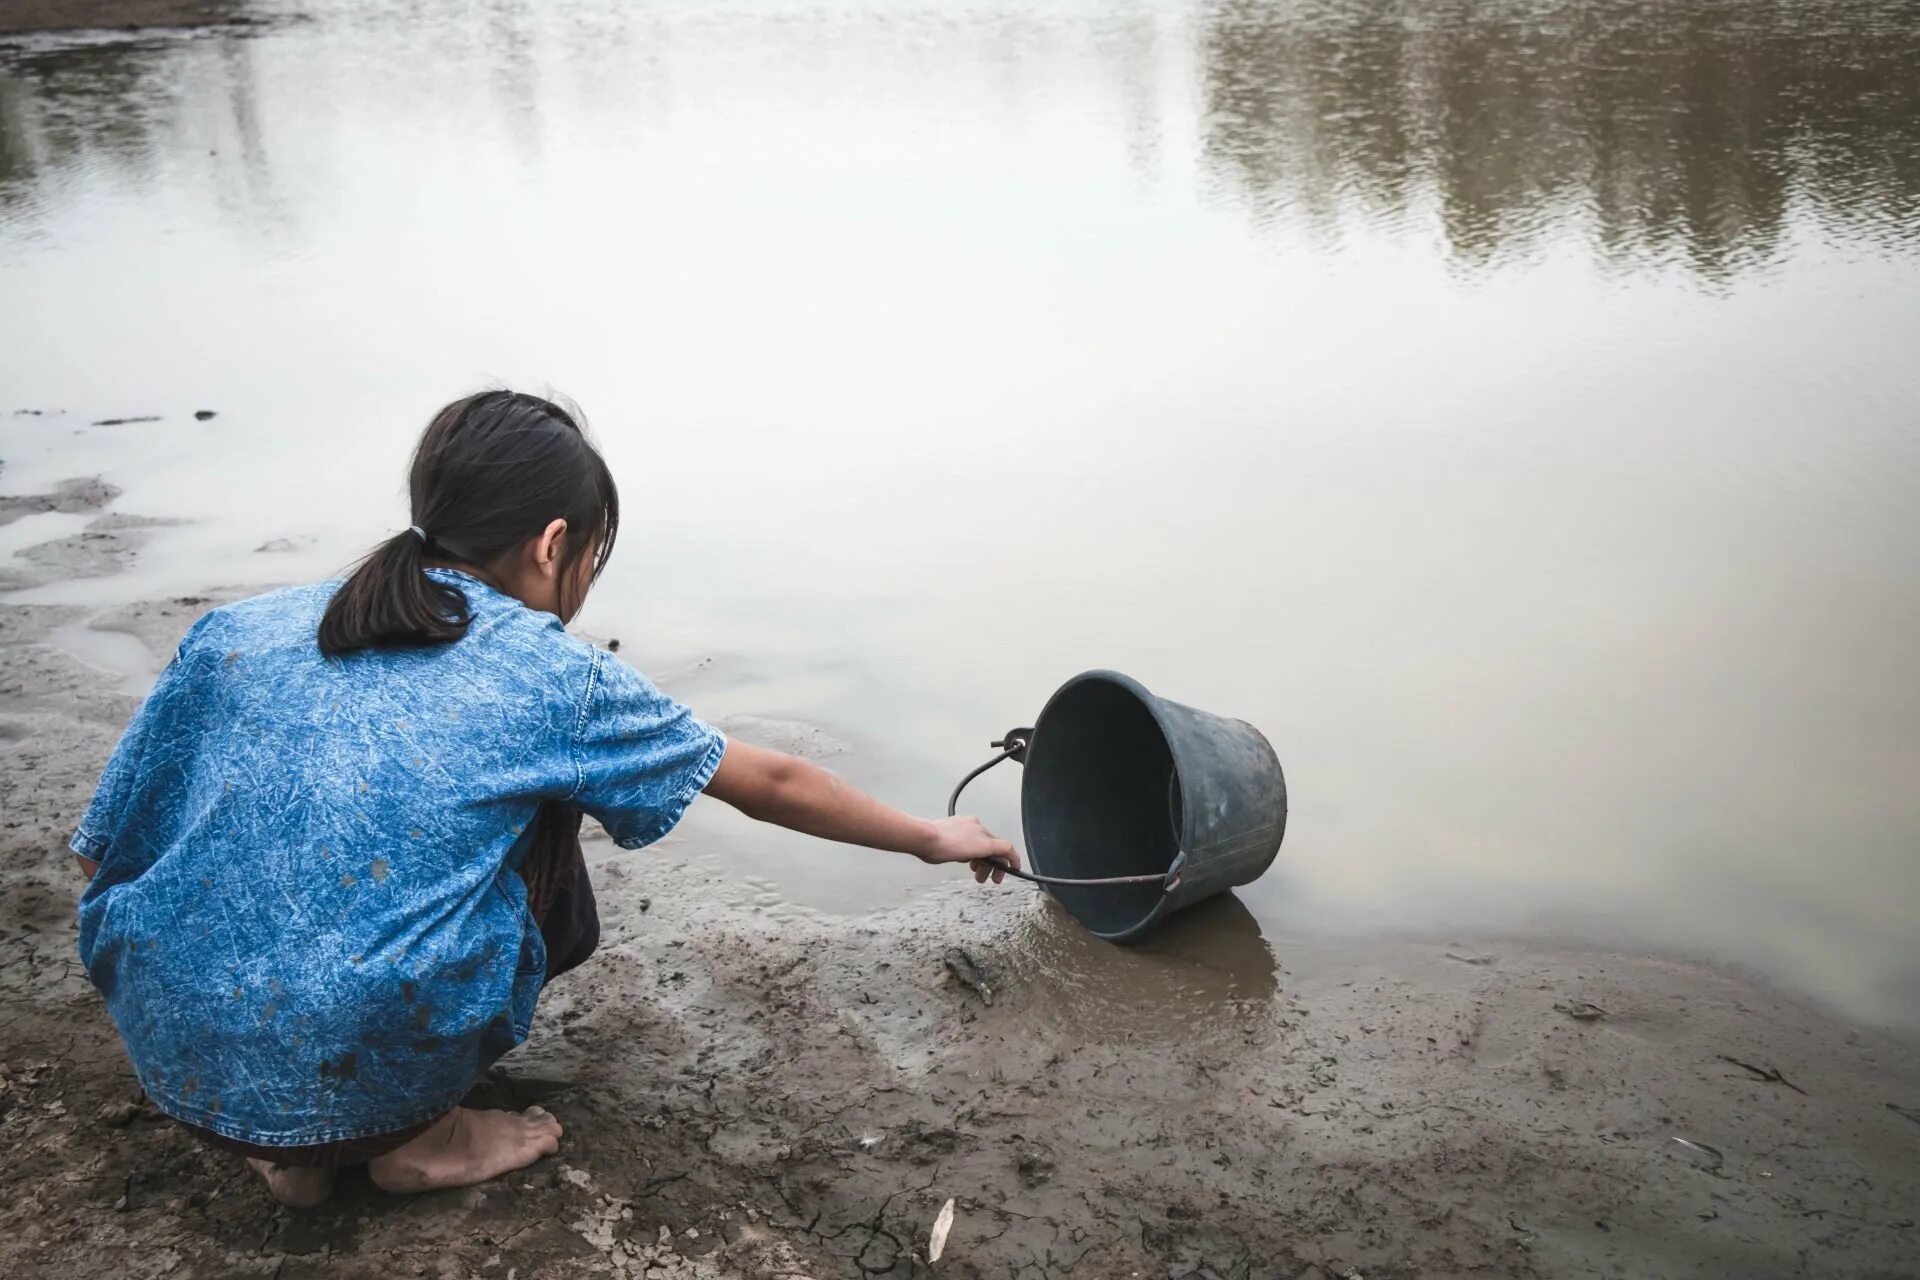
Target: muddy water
(1509, 408)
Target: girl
(335, 856)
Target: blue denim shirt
(308, 922)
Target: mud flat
(750, 1098)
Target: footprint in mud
(1500, 1039)
(1643, 1026)
(926, 1146)
(1033, 1168)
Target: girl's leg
(465, 1147)
(570, 922)
(302, 1177)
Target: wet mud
(751, 1097)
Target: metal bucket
(1134, 806)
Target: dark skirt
(570, 926)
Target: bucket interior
(1101, 798)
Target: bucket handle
(1014, 747)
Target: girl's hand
(966, 840)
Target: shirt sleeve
(93, 838)
(155, 721)
(641, 756)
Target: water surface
(1511, 408)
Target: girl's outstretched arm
(773, 787)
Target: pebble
(118, 1115)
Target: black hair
(493, 470)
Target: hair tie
(418, 532)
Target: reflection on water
(1660, 133)
(1507, 407)
(1684, 133)
(125, 109)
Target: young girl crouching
(335, 857)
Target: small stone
(118, 1115)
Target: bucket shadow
(1205, 969)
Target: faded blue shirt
(308, 922)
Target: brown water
(1510, 408)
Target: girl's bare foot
(293, 1186)
(465, 1147)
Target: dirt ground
(18, 17)
(758, 1099)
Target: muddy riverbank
(745, 1097)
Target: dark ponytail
(390, 600)
(492, 471)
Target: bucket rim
(1148, 699)
(1121, 678)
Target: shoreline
(749, 1097)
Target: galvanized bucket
(1134, 806)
